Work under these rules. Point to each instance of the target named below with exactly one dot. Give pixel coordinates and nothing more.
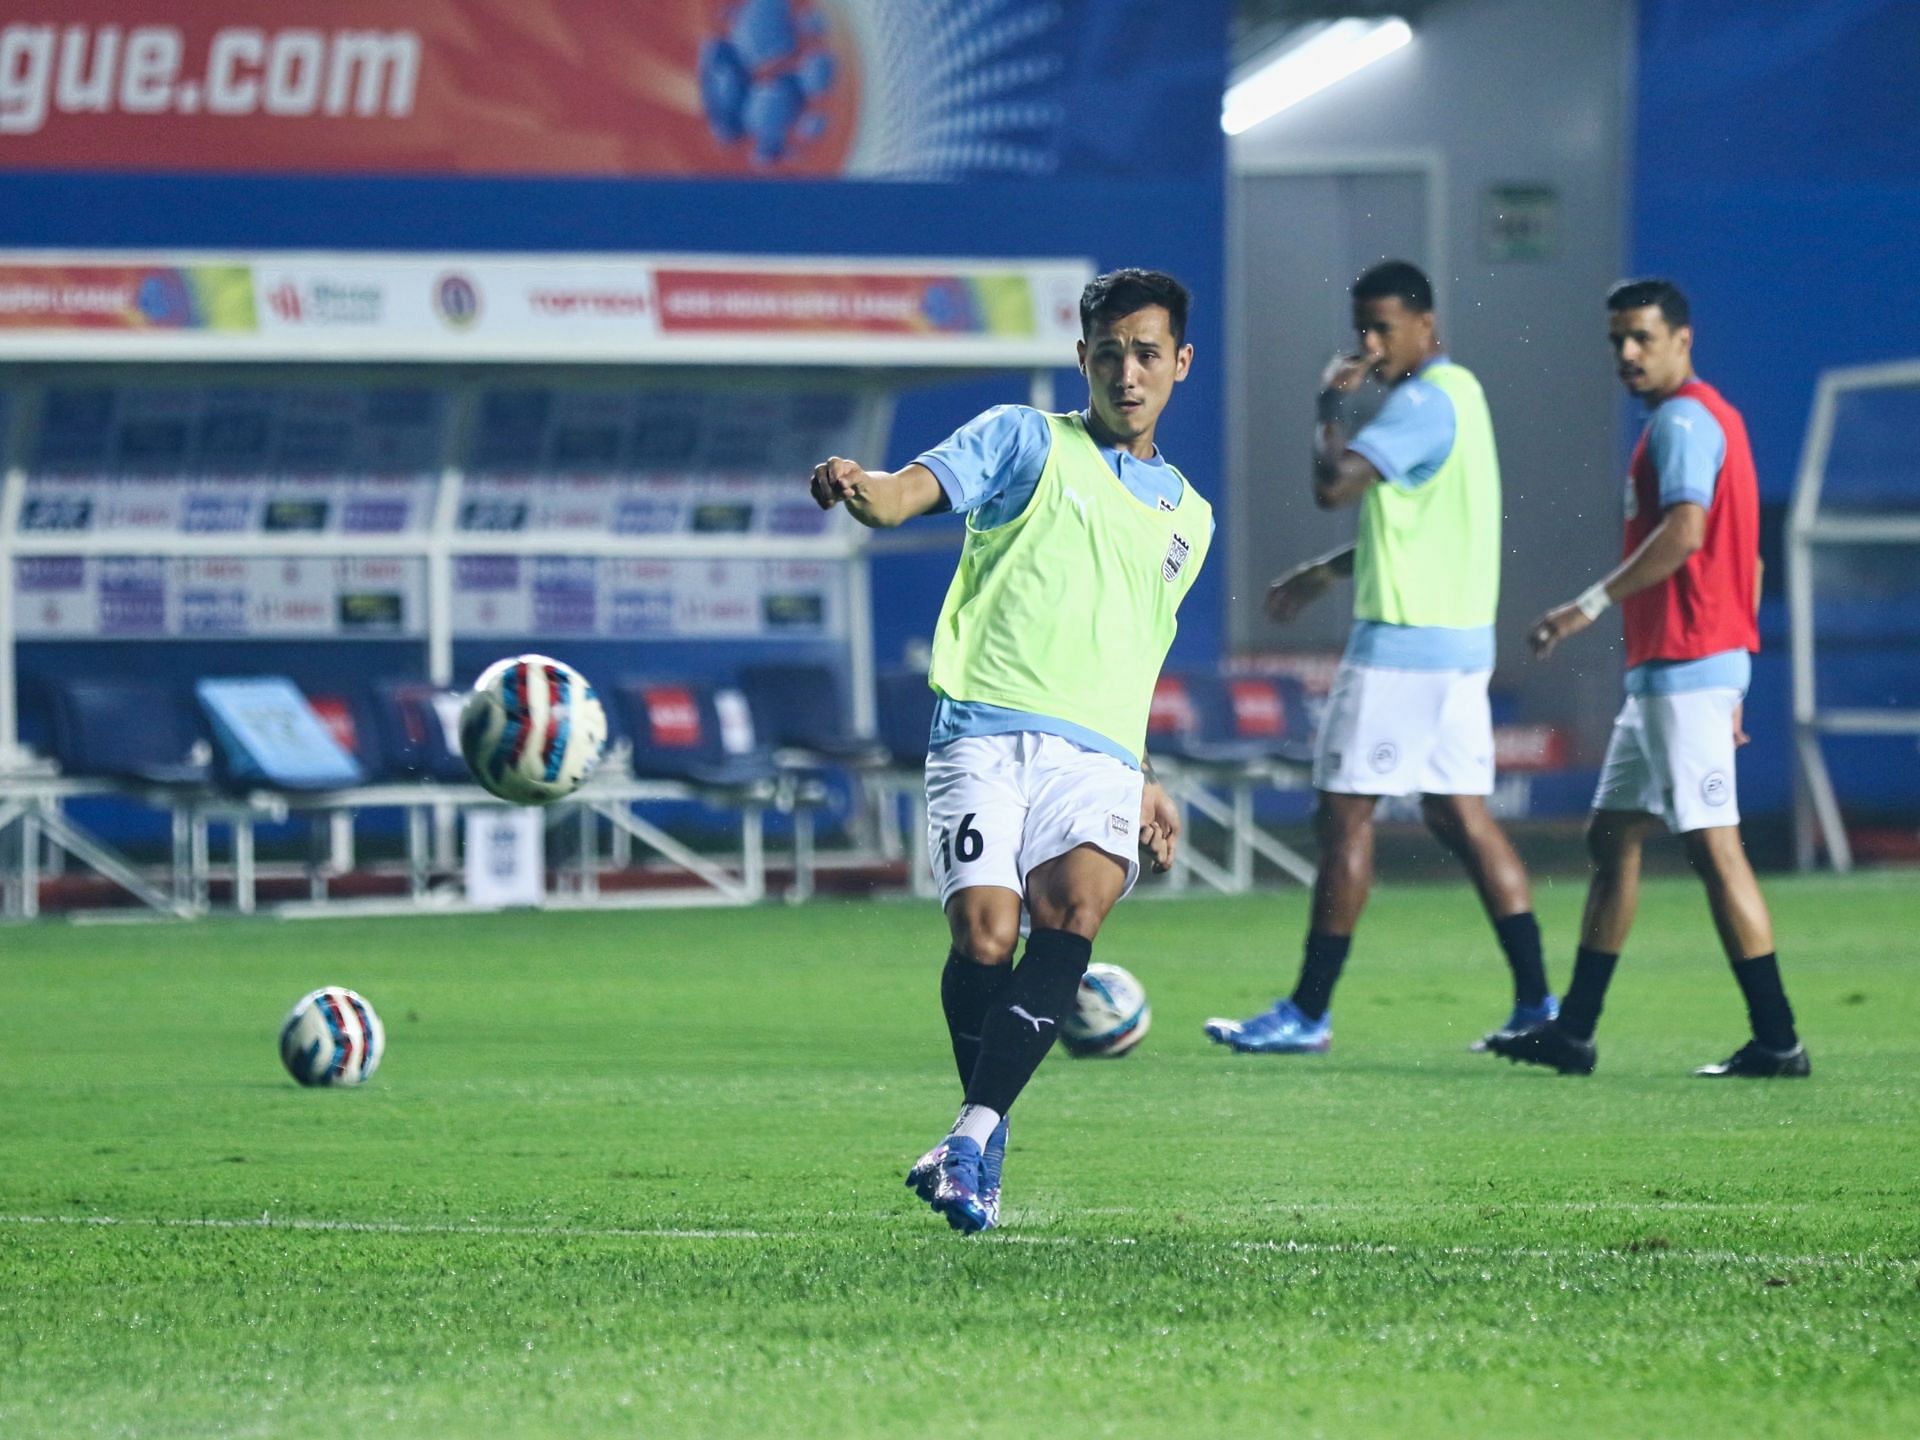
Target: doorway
(1298, 234)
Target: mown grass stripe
(1279, 1247)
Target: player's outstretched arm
(878, 499)
(1682, 531)
(1301, 586)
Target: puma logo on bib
(1177, 552)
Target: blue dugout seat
(140, 731)
(417, 726)
(797, 708)
(691, 731)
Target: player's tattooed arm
(878, 499)
(1681, 532)
(1292, 592)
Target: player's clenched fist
(1554, 626)
(834, 481)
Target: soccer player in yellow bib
(1408, 713)
(1081, 543)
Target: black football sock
(1320, 972)
(967, 989)
(1024, 1017)
(1767, 1005)
(1580, 1010)
(1520, 938)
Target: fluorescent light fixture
(1324, 58)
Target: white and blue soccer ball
(332, 1037)
(532, 730)
(1111, 1017)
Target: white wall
(1513, 91)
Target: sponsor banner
(125, 297)
(648, 599)
(710, 301)
(643, 505)
(62, 597)
(246, 504)
(902, 89)
(443, 305)
(303, 299)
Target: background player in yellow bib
(1408, 713)
(1081, 543)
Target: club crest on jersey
(1178, 549)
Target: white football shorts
(1672, 756)
(1405, 732)
(999, 806)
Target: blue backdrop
(1777, 179)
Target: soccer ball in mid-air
(1110, 1017)
(332, 1037)
(532, 730)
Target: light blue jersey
(1688, 448)
(1412, 435)
(1408, 442)
(990, 468)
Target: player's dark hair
(1632, 294)
(1121, 292)
(1397, 279)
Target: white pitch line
(1277, 1247)
(395, 1227)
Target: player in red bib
(1688, 589)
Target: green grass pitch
(640, 1174)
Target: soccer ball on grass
(332, 1037)
(1111, 1016)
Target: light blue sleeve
(997, 455)
(1688, 448)
(1411, 437)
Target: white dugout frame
(1815, 806)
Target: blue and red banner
(876, 89)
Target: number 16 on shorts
(963, 843)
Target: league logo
(456, 300)
(1177, 551)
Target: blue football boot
(1283, 1030)
(1524, 1017)
(992, 1159)
(947, 1177)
